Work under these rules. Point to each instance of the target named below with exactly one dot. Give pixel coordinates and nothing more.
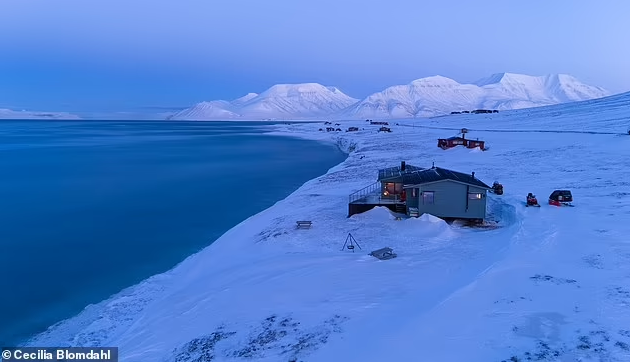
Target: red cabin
(445, 143)
(476, 143)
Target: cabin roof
(439, 174)
(392, 172)
(454, 138)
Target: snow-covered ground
(549, 284)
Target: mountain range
(425, 97)
(11, 114)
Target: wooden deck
(369, 202)
(370, 197)
(377, 199)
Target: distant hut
(446, 143)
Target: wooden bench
(304, 224)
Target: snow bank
(429, 218)
(377, 214)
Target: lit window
(414, 192)
(474, 196)
(427, 198)
(393, 188)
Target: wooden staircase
(373, 189)
(401, 208)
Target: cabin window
(392, 188)
(427, 197)
(414, 192)
(474, 196)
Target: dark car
(560, 198)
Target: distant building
(415, 191)
(445, 143)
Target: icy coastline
(549, 283)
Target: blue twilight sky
(141, 55)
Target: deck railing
(372, 193)
(373, 189)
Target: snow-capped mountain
(425, 97)
(11, 114)
(244, 99)
(306, 100)
(206, 110)
(297, 100)
(438, 95)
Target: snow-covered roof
(392, 172)
(439, 174)
(454, 138)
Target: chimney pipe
(433, 166)
(402, 165)
(473, 174)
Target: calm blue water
(89, 208)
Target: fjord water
(89, 208)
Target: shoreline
(157, 283)
(133, 299)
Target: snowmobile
(497, 188)
(561, 198)
(532, 201)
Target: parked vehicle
(561, 198)
(497, 188)
(532, 201)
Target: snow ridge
(424, 97)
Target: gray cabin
(446, 194)
(414, 191)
